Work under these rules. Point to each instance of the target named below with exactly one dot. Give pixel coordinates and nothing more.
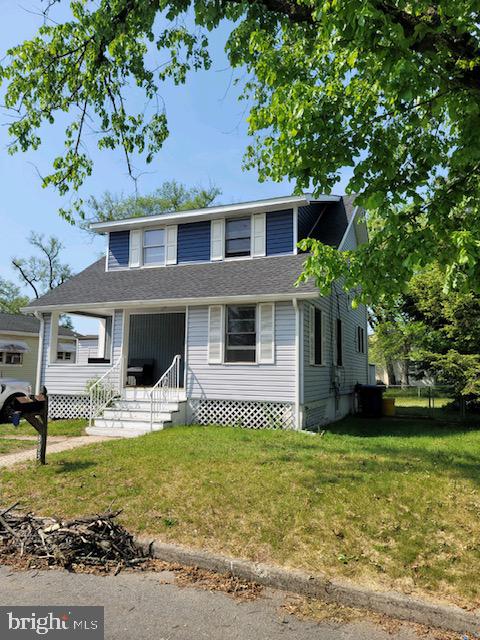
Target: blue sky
(206, 145)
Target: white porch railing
(166, 390)
(106, 389)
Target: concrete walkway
(55, 444)
(149, 606)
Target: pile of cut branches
(91, 541)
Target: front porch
(135, 350)
(130, 339)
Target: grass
(55, 428)
(392, 503)
(12, 446)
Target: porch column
(52, 355)
(124, 315)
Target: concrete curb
(391, 603)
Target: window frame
(339, 342)
(247, 348)
(154, 246)
(360, 339)
(243, 256)
(62, 356)
(5, 354)
(318, 346)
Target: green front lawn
(393, 503)
(55, 428)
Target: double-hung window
(241, 335)
(7, 357)
(64, 355)
(237, 237)
(154, 247)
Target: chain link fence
(437, 401)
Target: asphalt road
(149, 606)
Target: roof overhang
(176, 302)
(211, 213)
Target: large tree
(388, 87)
(170, 196)
(432, 331)
(45, 270)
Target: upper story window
(237, 237)
(154, 246)
(241, 336)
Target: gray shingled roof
(273, 275)
(27, 324)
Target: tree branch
(28, 280)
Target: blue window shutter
(118, 249)
(193, 242)
(279, 229)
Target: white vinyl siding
(259, 235)
(217, 243)
(319, 381)
(235, 381)
(266, 333)
(171, 244)
(135, 253)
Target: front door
(158, 337)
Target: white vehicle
(10, 389)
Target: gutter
(172, 302)
(173, 217)
(298, 369)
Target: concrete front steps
(129, 416)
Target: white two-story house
(201, 321)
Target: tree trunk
(391, 373)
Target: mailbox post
(35, 411)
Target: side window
(317, 336)
(360, 339)
(240, 333)
(339, 343)
(237, 237)
(12, 358)
(154, 247)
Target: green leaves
(390, 89)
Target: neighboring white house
(202, 306)
(87, 348)
(19, 335)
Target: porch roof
(259, 277)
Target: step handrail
(165, 390)
(104, 390)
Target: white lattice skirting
(250, 414)
(68, 407)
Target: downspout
(38, 379)
(298, 351)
